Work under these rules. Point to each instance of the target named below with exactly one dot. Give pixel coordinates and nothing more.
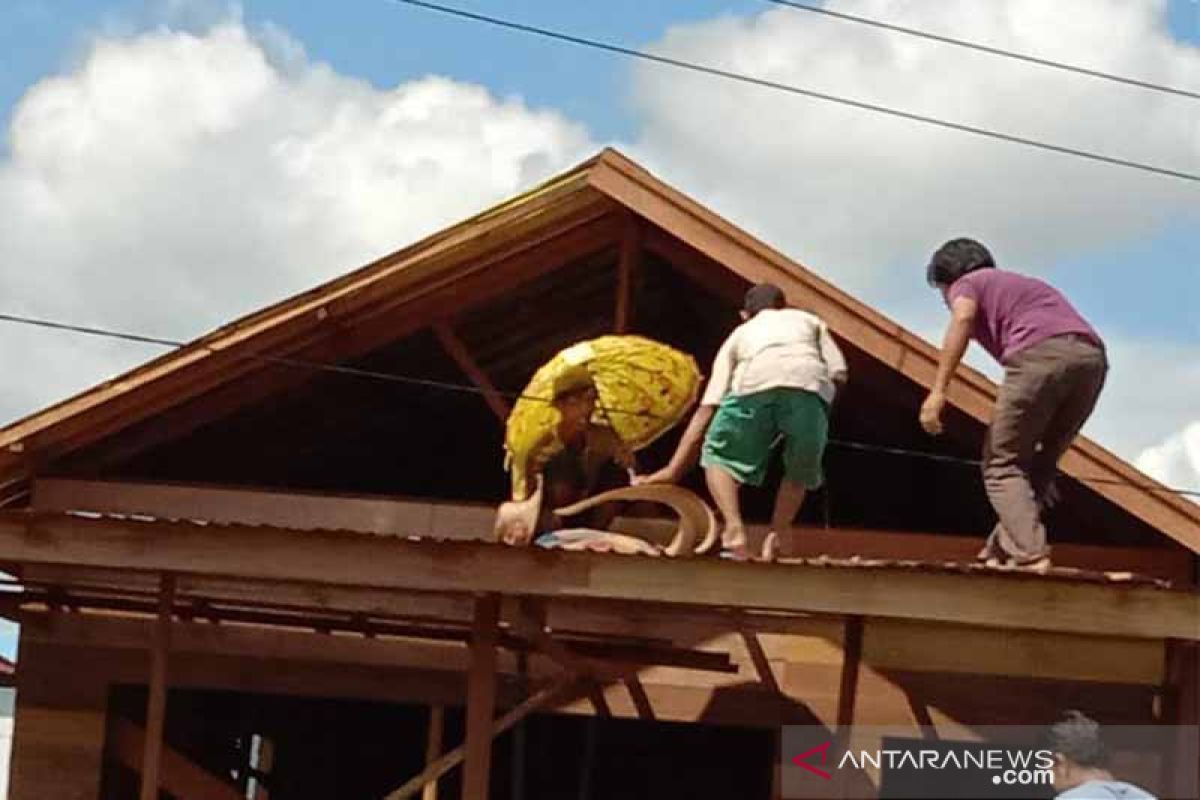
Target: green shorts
(746, 427)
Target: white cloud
(174, 180)
(864, 198)
(1176, 460)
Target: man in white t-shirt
(773, 379)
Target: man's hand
(664, 475)
(931, 413)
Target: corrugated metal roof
(853, 562)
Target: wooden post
(1181, 707)
(457, 350)
(156, 704)
(627, 265)
(481, 697)
(433, 747)
(852, 646)
(519, 743)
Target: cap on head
(763, 296)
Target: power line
(317, 366)
(983, 48)
(974, 462)
(339, 369)
(797, 90)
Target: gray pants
(1049, 391)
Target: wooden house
(241, 572)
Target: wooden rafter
(181, 777)
(457, 350)
(451, 759)
(628, 264)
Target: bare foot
(733, 542)
(770, 547)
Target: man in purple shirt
(1054, 369)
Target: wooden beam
(182, 778)
(627, 267)
(530, 624)
(535, 702)
(458, 351)
(337, 558)
(433, 746)
(156, 705)
(481, 698)
(391, 515)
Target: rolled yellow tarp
(643, 388)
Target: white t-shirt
(783, 347)
(1106, 790)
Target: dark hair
(1077, 737)
(763, 296)
(956, 258)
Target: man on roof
(574, 460)
(1054, 368)
(773, 380)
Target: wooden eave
(326, 561)
(588, 193)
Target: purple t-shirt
(1017, 312)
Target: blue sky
(1144, 288)
(387, 43)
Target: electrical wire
(984, 48)
(395, 378)
(798, 90)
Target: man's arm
(954, 345)
(831, 354)
(688, 448)
(686, 451)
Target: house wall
(907, 674)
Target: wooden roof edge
(288, 308)
(334, 559)
(1100, 463)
